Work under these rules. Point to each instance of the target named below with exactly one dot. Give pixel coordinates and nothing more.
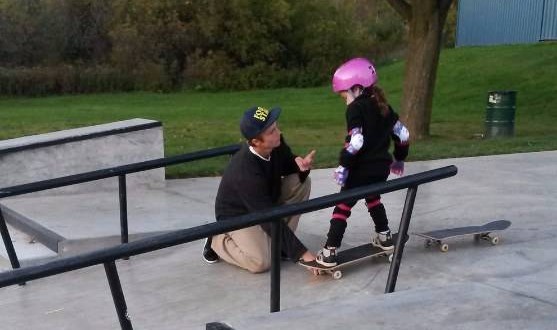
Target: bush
(68, 79)
(118, 45)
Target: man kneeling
(262, 174)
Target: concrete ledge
(74, 151)
(71, 247)
(30, 252)
(74, 135)
(32, 228)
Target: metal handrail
(161, 241)
(107, 256)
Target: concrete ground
(509, 286)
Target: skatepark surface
(512, 285)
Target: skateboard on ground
(351, 256)
(480, 232)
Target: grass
(313, 117)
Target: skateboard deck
(483, 232)
(351, 256)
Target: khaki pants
(250, 248)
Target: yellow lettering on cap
(261, 114)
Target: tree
(86, 28)
(156, 33)
(425, 19)
(24, 38)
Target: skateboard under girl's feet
(483, 232)
(350, 256)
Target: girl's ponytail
(379, 96)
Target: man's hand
(305, 164)
(340, 175)
(397, 168)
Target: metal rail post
(400, 241)
(275, 264)
(123, 208)
(8, 243)
(117, 295)
(122, 192)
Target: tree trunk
(425, 26)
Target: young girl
(365, 159)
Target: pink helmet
(357, 71)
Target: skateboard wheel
(495, 240)
(428, 243)
(337, 274)
(444, 247)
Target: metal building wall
(491, 22)
(549, 20)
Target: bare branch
(403, 8)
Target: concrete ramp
(490, 305)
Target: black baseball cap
(257, 119)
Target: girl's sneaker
(327, 257)
(383, 240)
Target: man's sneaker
(383, 240)
(209, 255)
(327, 257)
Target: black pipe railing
(117, 294)
(8, 241)
(109, 255)
(400, 240)
(123, 194)
(115, 171)
(118, 171)
(275, 266)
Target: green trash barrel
(499, 116)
